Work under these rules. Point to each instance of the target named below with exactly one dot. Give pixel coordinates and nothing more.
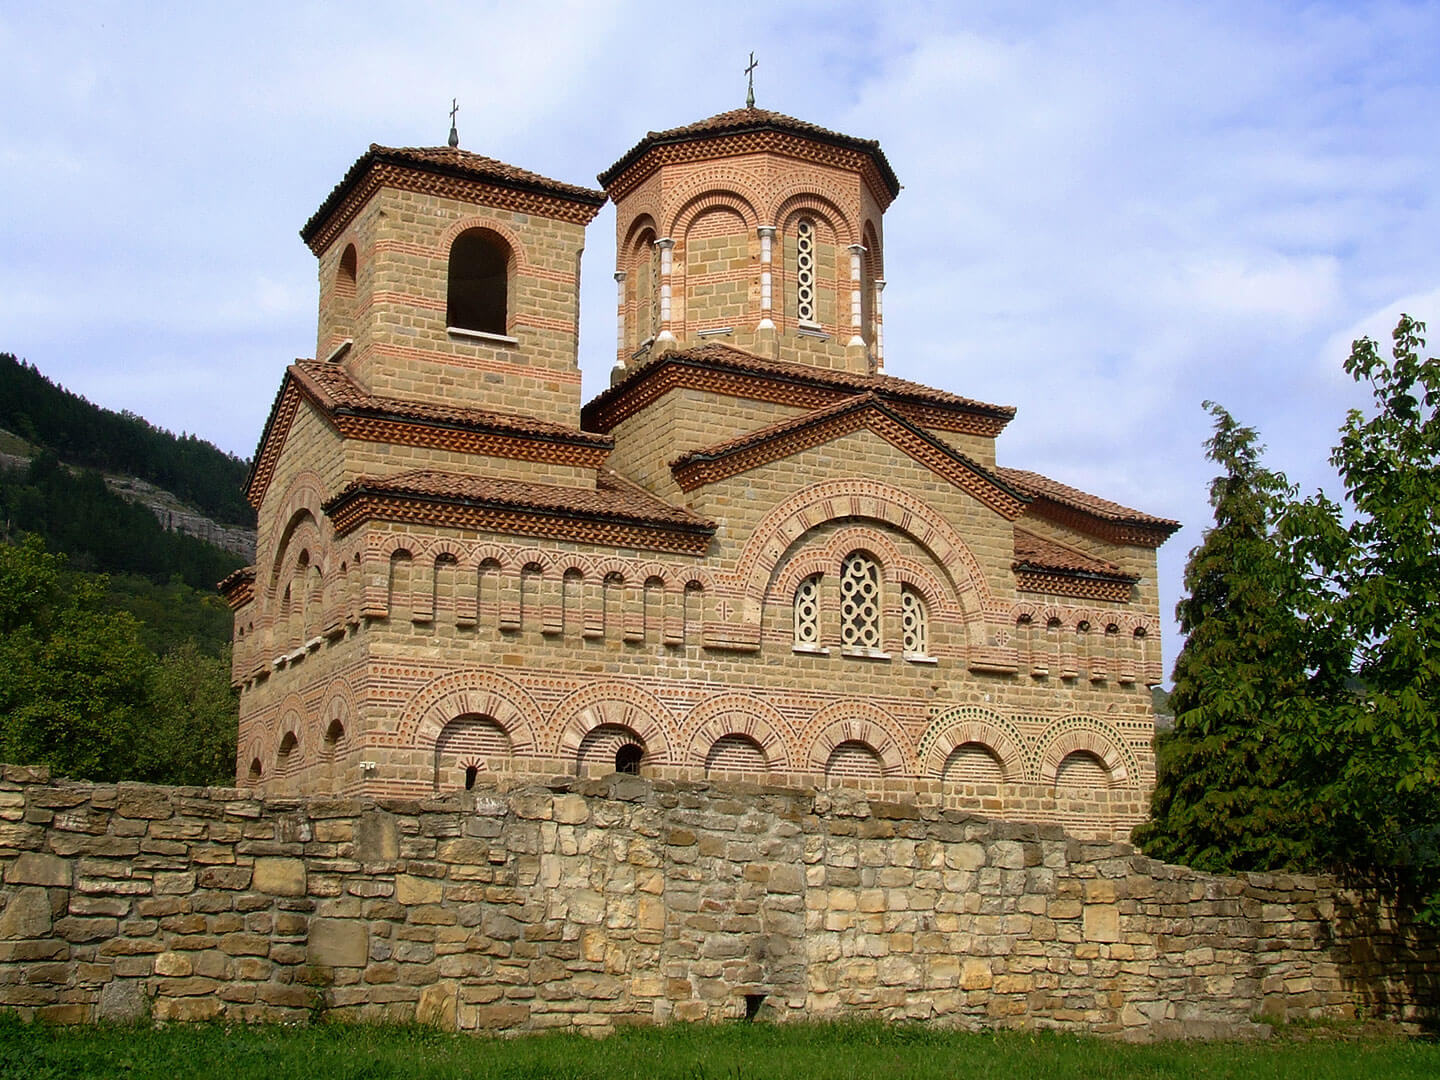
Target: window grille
(913, 624)
(807, 612)
(860, 603)
(805, 271)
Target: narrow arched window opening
(627, 759)
(805, 305)
(807, 612)
(859, 602)
(479, 283)
(914, 623)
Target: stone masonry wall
(613, 901)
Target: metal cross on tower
(454, 135)
(750, 74)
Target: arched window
(465, 747)
(1082, 769)
(479, 279)
(914, 624)
(736, 753)
(255, 770)
(610, 748)
(973, 763)
(854, 758)
(859, 602)
(343, 302)
(807, 612)
(806, 309)
(289, 753)
(334, 734)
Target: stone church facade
(757, 555)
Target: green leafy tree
(1378, 572)
(81, 692)
(74, 679)
(192, 737)
(1225, 795)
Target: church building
(758, 555)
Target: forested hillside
(80, 433)
(114, 645)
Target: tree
(81, 692)
(1225, 795)
(74, 679)
(1379, 577)
(192, 737)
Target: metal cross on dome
(454, 135)
(750, 75)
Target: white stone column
(618, 371)
(767, 243)
(856, 335)
(879, 328)
(666, 247)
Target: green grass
(683, 1052)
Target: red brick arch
(1094, 736)
(861, 721)
(737, 714)
(776, 535)
(612, 703)
(470, 693)
(972, 724)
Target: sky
(1111, 212)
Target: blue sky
(1111, 211)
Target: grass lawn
(737, 1052)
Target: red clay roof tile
(613, 497)
(742, 120)
(716, 355)
(1042, 487)
(1037, 553)
(449, 161)
(333, 388)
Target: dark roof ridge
(737, 121)
(332, 386)
(622, 500)
(1054, 556)
(1039, 486)
(715, 353)
(447, 161)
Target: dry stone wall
(619, 900)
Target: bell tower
(451, 278)
(756, 230)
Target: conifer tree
(1226, 794)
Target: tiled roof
(333, 388)
(1037, 553)
(1042, 487)
(236, 577)
(737, 121)
(447, 161)
(727, 357)
(613, 497)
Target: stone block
(36, 868)
(187, 1008)
(964, 856)
(418, 890)
(338, 943)
(437, 1006)
(377, 837)
(279, 876)
(1102, 922)
(122, 1001)
(499, 1017)
(27, 915)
